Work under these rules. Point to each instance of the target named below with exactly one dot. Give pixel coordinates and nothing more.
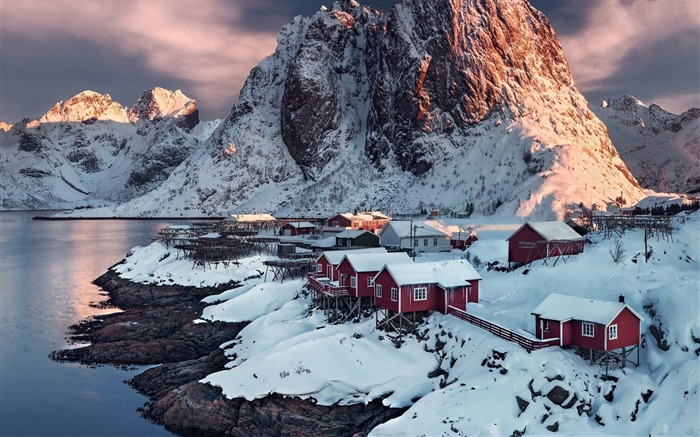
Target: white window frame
(394, 294)
(425, 242)
(348, 242)
(319, 267)
(545, 325)
(420, 293)
(378, 290)
(588, 329)
(353, 282)
(612, 332)
(435, 241)
(370, 281)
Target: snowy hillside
(436, 104)
(661, 149)
(90, 150)
(457, 378)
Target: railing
(326, 287)
(528, 343)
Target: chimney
(621, 299)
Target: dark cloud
(52, 50)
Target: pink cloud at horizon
(198, 43)
(623, 30)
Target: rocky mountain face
(661, 149)
(90, 150)
(449, 104)
(439, 103)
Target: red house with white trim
(372, 221)
(403, 288)
(587, 323)
(292, 229)
(327, 263)
(357, 270)
(540, 240)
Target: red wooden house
(372, 221)
(292, 229)
(327, 263)
(587, 323)
(404, 288)
(542, 240)
(357, 270)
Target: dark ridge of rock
(156, 382)
(156, 326)
(201, 408)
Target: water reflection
(46, 269)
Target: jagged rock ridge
(440, 103)
(661, 149)
(90, 150)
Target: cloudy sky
(53, 49)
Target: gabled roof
(349, 233)
(364, 216)
(446, 274)
(335, 256)
(373, 262)
(562, 307)
(552, 231)
(247, 218)
(300, 225)
(424, 228)
(324, 242)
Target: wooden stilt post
(624, 357)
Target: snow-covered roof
(562, 307)
(349, 233)
(365, 216)
(553, 231)
(335, 256)
(423, 228)
(247, 218)
(447, 274)
(180, 227)
(373, 262)
(324, 242)
(300, 225)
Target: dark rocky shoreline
(156, 327)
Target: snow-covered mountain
(661, 149)
(90, 150)
(437, 103)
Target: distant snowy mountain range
(661, 149)
(436, 104)
(90, 150)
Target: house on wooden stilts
(608, 330)
(356, 273)
(405, 292)
(543, 240)
(324, 282)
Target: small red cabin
(462, 240)
(357, 270)
(587, 323)
(292, 229)
(327, 263)
(404, 288)
(540, 240)
(372, 221)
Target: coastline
(156, 327)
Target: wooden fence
(528, 343)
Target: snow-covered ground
(463, 380)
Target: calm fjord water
(46, 269)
